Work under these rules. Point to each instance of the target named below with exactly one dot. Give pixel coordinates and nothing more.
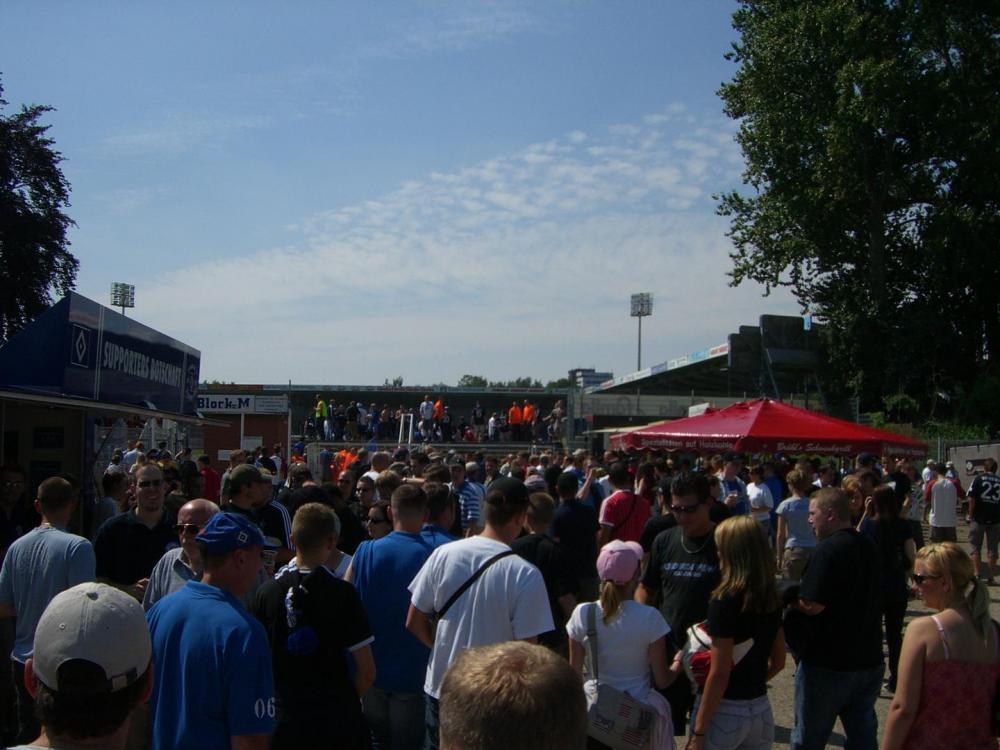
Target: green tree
(560, 383)
(522, 382)
(870, 134)
(34, 251)
(472, 381)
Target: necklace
(695, 551)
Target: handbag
(697, 655)
(614, 717)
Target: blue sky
(333, 192)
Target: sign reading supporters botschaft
(80, 349)
(229, 403)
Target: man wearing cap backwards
(212, 682)
(251, 497)
(130, 544)
(184, 563)
(39, 565)
(507, 602)
(90, 668)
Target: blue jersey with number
(985, 490)
(211, 670)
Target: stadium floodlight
(122, 295)
(642, 306)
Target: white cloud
(521, 264)
(178, 134)
(127, 200)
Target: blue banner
(80, 349)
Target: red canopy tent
(766, 426)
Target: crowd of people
(379, 602)
(433, 421)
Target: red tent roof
(765, 426)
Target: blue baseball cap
(226, 532)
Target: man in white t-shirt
(427, 418)
(941, 505)
(381, 460)
(507, 602)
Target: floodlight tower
(642, 306)
(122, 295)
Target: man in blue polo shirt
(381, 570)
(213, 686)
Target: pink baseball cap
(618, 561)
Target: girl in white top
(631, 638)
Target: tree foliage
(478, 381)
(34, 251)
(472, 381)
(870, 134)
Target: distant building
(588, 377)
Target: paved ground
(781, 687)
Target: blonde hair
(611, 599)
(952, 563)
(613, 594)
(799, 482)
(509, 695)
(747, 565)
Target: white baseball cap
(96, 623)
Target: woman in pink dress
(949, 664)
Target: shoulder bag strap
(472, 579)
(592, 638)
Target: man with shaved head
(184, 563)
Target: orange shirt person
(514, 414)
(528, 413)
(439, 408)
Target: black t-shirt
(718, 513)
(847, 635)
(748, 678)
(901, 485)
(890, 539)
(557, 572)
(575, 526)
(985, 490)
(273, 523)
(352, 531)
(685, 571)
(654, 526)
(126, 549)
(314, 686)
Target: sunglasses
(685, 508)
(918, 578)
(143, 484)
(376, 520)
(189, 528)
